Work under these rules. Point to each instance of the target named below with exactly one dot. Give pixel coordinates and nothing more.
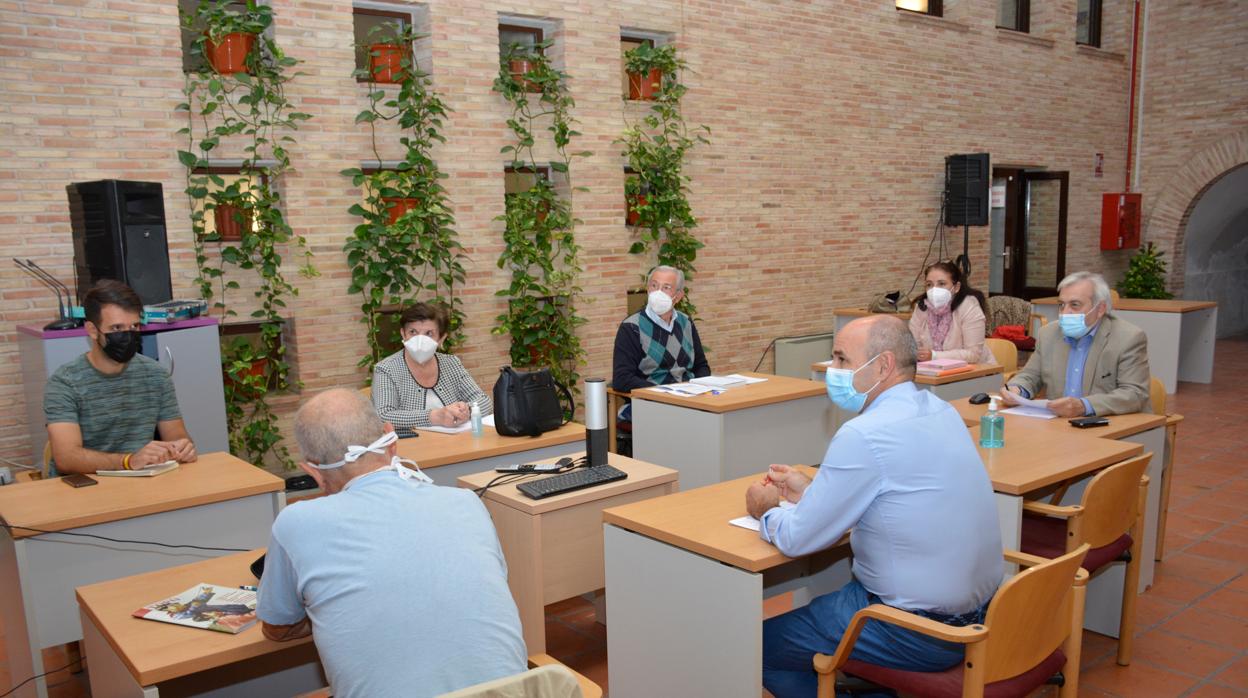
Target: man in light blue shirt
(401, 583)
(906, 478)
(1090, 361)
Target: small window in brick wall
(1014, 15)
(924, 7)
(1088, 23)
(376, 52)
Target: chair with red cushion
(1110, 520)
(1031, 636)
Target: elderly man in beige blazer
(1090, 362)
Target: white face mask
(660, 303)
(421, 348)
(939, 297)
(397, 464)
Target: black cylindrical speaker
(596, 431)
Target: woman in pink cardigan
(948, 320)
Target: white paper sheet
(686, 389)
(1025, 411)
(749, 380)
(487, 420)
(751, 523)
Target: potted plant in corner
(229, 34)
(646, 65)
(1146, 275)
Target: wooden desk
(1147, 430)
(710, 438)
(219, 501)
(133, 657)
(1180, 333)
(982, 378)
(553, 546)
(448, 457)
(685, 589)
(843, 316)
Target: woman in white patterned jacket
(418, 386)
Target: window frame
(1022, 16)
(538, 33)
(404, 18)
(935, 8)
(1095, 12)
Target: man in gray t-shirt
(104, 409)
(401, 583)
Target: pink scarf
(939, 320)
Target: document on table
(1027, 407)
(752, 523)
(748, 380)
(487, 420)
(686, 389)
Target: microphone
(65, 322)
(596, 431)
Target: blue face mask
(841, 389)
(1074, 325)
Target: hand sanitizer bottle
(992, 427)
(477, 429)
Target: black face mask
(122, 346)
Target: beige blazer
(1115, 378)
(965, 340)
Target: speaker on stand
(596, 431)
(119, 233)
(967, 179)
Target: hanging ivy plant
(407, 245)
(245, 113)
(657, 193)
(540, 247)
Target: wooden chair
(1157, 395)
(1006, 354)
(615, 398)
(1110, 520)
(572, 683)
(1031, 635)
(367, 392)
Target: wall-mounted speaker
(967, 178)
(119, 233)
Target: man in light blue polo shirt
(905, 476)
(401, 583)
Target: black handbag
(526, 403)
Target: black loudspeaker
(119, 233)
(967, 178)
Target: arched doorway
(1215, 250)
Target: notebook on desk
(150, 471)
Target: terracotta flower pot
(397, 206)
(518, 68)
(644, 86)
(634, 202)
(231, 221)
(385, 63)
(257, 369)
(230, 56)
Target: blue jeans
(791, 641)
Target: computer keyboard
(576, 480)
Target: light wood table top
(1145, 305)
(431, 449)
(640, 476)
(977, 371)
(154, 651)
(51, 505)
(1120, 425)
(774, 389)
(1036, 458)
(697, 520)
(863, 312)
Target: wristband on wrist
(125, 462)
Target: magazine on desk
(207, 606)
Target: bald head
(889, 333)
(333, 420)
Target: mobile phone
(1089, 422)
(79, 480)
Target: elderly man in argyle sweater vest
(660, 344)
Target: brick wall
(830, 125)
(1195, 113)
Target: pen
(245, 587)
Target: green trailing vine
(540, 247)
(1146, 275)
(394, 260)
(657, 193)
(248, 114)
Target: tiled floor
(1192, 625)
